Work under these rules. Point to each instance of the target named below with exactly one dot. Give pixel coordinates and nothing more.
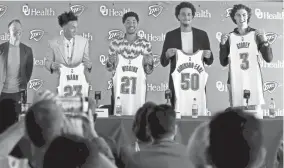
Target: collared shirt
(68, 47)
(121, 46)
(13, 80)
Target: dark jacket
(173, 40)
(161, 155)
(26, 64)
(224, 52)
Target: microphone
(247, 96)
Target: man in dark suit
(16, 65)
(186, 38)
(164, 152)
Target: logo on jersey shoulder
(270, 86)
(155, 10)
(3, 9)
(228, 12)
(36, 84)
(115, 34)
(77, 9)
(156, 60)
(271, 37)
(36, 34)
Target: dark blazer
(26, 64)
(161, 155)
(173, 40)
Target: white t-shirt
(187, 42)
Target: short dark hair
(235, 139)
(66, 17)
(14, 21)
(70, 151)
(39, 117)
(238, 7)
(162, 121)
(139, 126)
(185, 5)
(130, 14)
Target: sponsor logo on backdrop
(272, 65)
(278, 112)
(115, 34)
(77, 9)
(35, 84)
(3, 9)
(86, 35)
(218, 36)
(271, 37)
(5, 36)
(151, 37)
(228, 12)
(157, 87)
(270, 86)
(36, 34)
(267, 15)
(202, 14)
(156, 60)
(30, 11)
(155, 10)
(103, 59)
(222, 87)
(113, 12)
(39, 62)
(110, 84)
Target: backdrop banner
(99, 22)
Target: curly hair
(130, 14)
(238, 7)
(140, 122)
(185, 5)
(66, 17)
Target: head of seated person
(139, 126)
(235, 140)
(71, 151)
(162, 123)
(44, 121)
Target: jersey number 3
(189, 81)
(128, 85)
(68, 90)
(245, 61)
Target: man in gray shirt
(16, 65)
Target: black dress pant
(10, 109)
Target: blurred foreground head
(44, 121)
(235, 140)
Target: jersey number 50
(189, 81)
(68, 90)
(128, 85)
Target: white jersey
(72, 82)
(245, 72)
(189, 80)
(129, 84)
